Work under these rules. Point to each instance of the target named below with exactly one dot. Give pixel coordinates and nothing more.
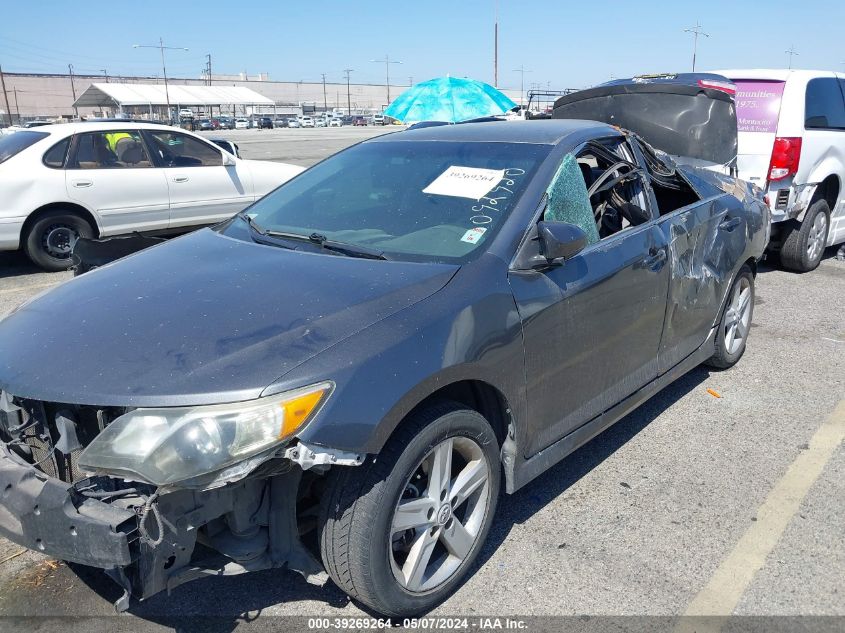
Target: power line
(162, 48)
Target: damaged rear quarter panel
(708, 242)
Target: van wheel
(50, 239)
(736, 322)
(400, 532)
(804, 244)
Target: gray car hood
(201, 319)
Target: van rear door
(757, 111)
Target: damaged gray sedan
(341, 380)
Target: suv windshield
(11, 144)
(413, 200)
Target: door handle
(180, 179)
(80, 184)
(729, 224)
(655, 256)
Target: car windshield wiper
(255, 226)
(344, 248)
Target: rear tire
(50, 238)
(804, 244)
(735, 324)
(403, 563)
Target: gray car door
(591, 329)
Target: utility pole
(387, 63)
(696, 31)
(325, 98)
(6, 95)
(17, 109)
(521, 70)
(496, 46)
(161, 47)
(410, 81)
(105, 74)
(791, 52)
(348, 94)
(208, 69)
(73, 89)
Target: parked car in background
(241, 124)
(184, 113)
(204, 124)
(265, 123)
(335, 122)
(306, 121)
(792, 144)
(787, 132)
(378, 119)
(359, 120)
(280, 122)
(321, 122)
(294, 122)
(361, 375)
(24, 126)
(226, 122)
(98, 179)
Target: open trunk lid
(690, 116)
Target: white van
(792, 144)
(782, 130)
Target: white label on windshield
(465, 182)
(473, 235)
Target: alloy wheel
(817, 237)
(440, 515)
(738, 316)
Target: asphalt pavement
(725, 493)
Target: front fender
(470, 330)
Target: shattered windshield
(415, 200)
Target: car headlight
(168, 445)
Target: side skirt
(520, 471)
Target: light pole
(521, 70)
(386, 61)
(162, 48)
(696, 31)
(496, 45)
(325, 98)
(791, 52)
(348, 96)
(105, 74)
(73, 89)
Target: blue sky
(563, 44)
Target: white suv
(61, 182)
(792, 144)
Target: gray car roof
(542, 132)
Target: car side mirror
(228, 159)
(559, 240)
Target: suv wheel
(736, 322)
(400, 532)
(50, 239)
(804, 244)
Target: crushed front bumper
(42, 514)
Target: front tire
(400, 532)
(735, 324)
(804, 244)
(50, 239)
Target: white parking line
(729, 582)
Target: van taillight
(786, 153)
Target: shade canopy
(450, 99)
(115, 94)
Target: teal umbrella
(448, 99)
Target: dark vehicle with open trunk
(341, 379)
